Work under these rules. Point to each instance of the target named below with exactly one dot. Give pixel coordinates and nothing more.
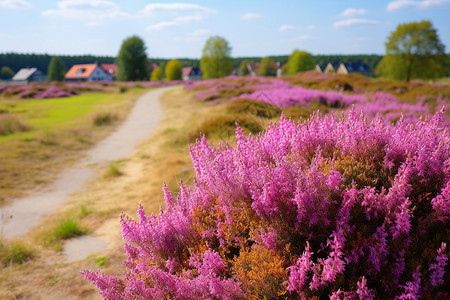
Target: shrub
(104, 118)
(14, 253)
(68, 228)
(223, 126)
(10, 123)
(256, 108)
(331, 207)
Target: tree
(173, 70)
(243, 68)
(216, 61)
(132, 60)
(6, 73)
(267, 67)
(156, 74)
(413, 50)
(300, 61)
(56, 69)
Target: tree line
(17, 61)
(413, 50)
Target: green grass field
(59, 113)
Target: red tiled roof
(81, 71)
(186, 71)
(110, 69)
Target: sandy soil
(25, 213)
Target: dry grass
(98, 207)
(10, 123)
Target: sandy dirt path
(23, 214)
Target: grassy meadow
(60, 129)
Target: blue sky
(180, 29)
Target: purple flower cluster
(354, 209)
(37, 91)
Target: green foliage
(113, 171)
(56, 69)
(414, 50)
(156, 74)
(216, 61)
(68, 228)
(300, 61)
(14, 253)
(132, 60)
(173, 70)
(10, 123)
(267, 67)
(243, 69)
(6, 73)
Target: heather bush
(328, 208)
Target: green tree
(267, 67)
(173, 70)
(243, 69)
(132, 60)
(6, 73)
(56, 69)
(156, 74)
(300, 61)
(216, 61)
(413, 50)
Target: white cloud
(399, 4)
(251, 16)
(87, 10)
(15, 4)
(194, 36)
(353, 11)
(286, 27)
(178, 14)
(311, 27)
(301, 38)
(155, 8)
(351, 22)
(162, 25)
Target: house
(329, 69)
(110, 69)
(351, 67)
(191, 73)
(30, 74)
(345, 68)
(253, 68)
(91, 72)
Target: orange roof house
(91, 72)
(111, 69)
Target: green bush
(14, 253)
(68, 228)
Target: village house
(92, 72)
(29, 75)
(191, 73)
(350, 67)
